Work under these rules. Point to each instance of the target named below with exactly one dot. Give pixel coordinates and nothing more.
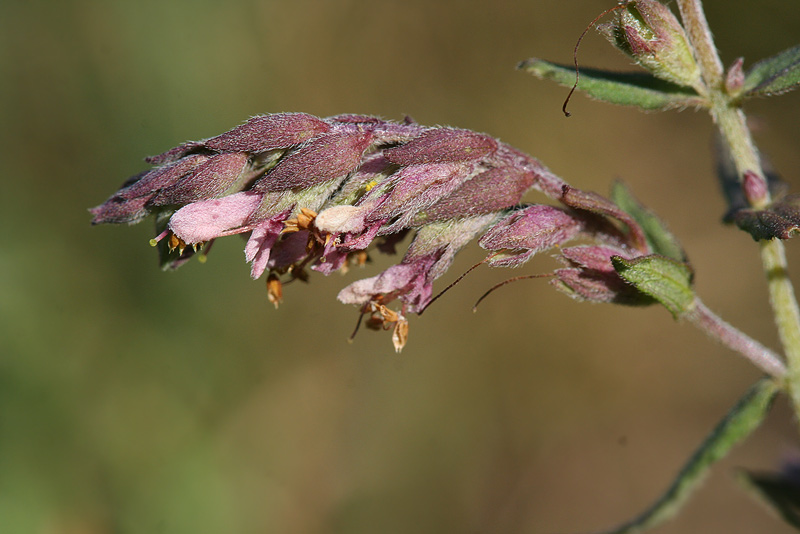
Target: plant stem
(694, 20)
(731, 337)
(787, 314)
(732, 124)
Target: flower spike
(320, 193)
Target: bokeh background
(138, 401)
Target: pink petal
(262, 239)
(204, 220)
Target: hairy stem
(732, 124)
(694, 20)
(787, 314)
(758, 354)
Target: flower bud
(647, 31)
(530, 230)
(212, 179)
(755, 188)
(507, 184)
(734, 78)
(128, 205)
(259, 134)
(592, 277)
(443, 145)
(325, 158)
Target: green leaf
(661, 241)
(775, 75)
(777, 490)
(667, 280)
(740, 422)
(638, 89)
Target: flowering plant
(321, 193)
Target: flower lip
(208, 219)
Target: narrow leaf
(637, 89)
(740, 422)
(775, 75)
(661, 241)
(666, 280)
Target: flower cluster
(316, 193)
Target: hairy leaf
(658, 237)
(774, 75)
(666, 280)
(641, 90)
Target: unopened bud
(755, 189)
(533, 229)
(734, 79)
(592, 277)
(647, 31)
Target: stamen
(575, 55)
(400, 335)
(159, 237)
(203, 257)
(290, 226)
(307, 214)
(274, 289)
(501, 284)
(176, 242)
(375, 323)
(457, 280)
(358, 324)
(388, 316)
(361, 258)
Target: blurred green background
(133, 400)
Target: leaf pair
(776, 75)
